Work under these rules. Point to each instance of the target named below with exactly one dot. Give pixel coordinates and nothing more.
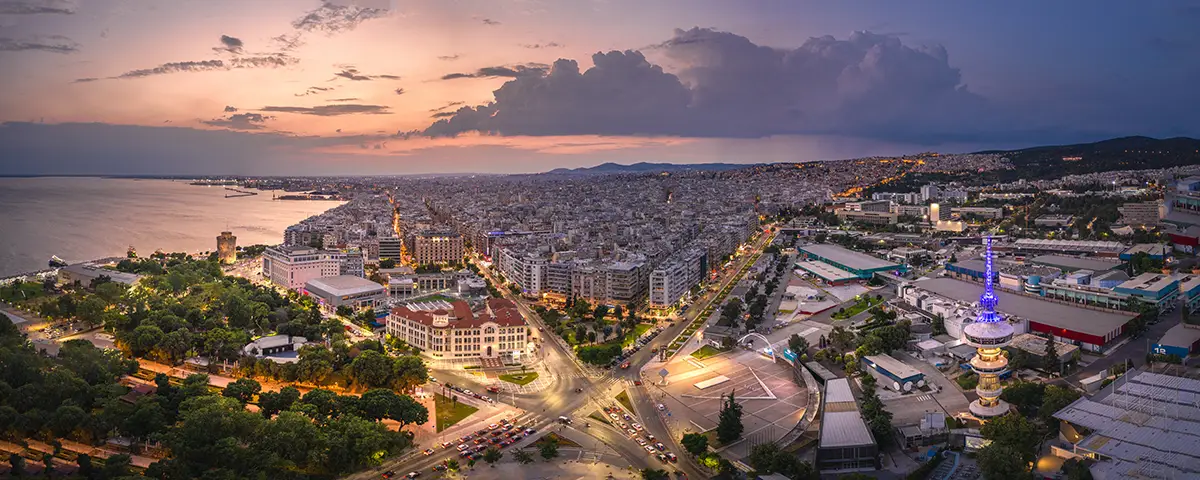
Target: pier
(238, 193)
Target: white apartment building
(457, 332)
(1141, 213)
(355, 262)
(671, 280)
(293, 266)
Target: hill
(645, 167)
(1124, 153)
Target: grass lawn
(600, 418)
(858, 307)
(556, 438)
(623, 397)
(520, 378)
(18, 292)
(638, 330)
(450, 413)
(705, 352)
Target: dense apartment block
(671, 280)
(432, 247)
(451, 330)
(292, 266)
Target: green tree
(548, 449)
(344, 311)
(315, 364)
(371, 369)
(1056, 398)
(492, 455)
(243, 390)
(116, 466)
(729, 426)
(271, 403)
(1014, 432)
(654, 474)
(522, 457)
(600, 312)
(938, 325)
(1050, 357)
(694, 443)
(144, 339)
(17, 463)
(1000, 461)
(408, 372)
(798, 344)
(86, 469)
(1026, 396)
(1075, 469)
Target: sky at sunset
(393, 87)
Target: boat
(56, 262)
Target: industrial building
(868, 217)
(845, 444)
(1156, 251)
(1068, 247)
(1144, 425)
(1158, 289)
(860, 265)
(896, 374)
(345, 291)
(226, 248)
(1054, 220)
(1181, 340)
(1091, 329)
(1071, 264)
(827, 273)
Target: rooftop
(842, 424)
(826, 271)
(340, 285)
(1149, 282)
(849, 258)
(1181, 335)
(1074, 263)
(893, 366)
(1092, 322)
(1152, 249)
(1077, 245)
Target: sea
(87, 218)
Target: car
(660, 446)
(530, 431)
(578, 390)
(640, 441)
(428, 452)
(388, 474)
(481, 432)
(661, 458)
(631, 431)
(637, 426)
(622, 425)
(447, 444)
(650, 438)
(637, 382)
(468, 392)
(564, 420)
(672, 457)
(627, 417)
(493, 426)
(508, 427)
(614, 416)
(662, 408)
(464, 454)
(493, 389)
(466, 438)
(480, 440)
(439, 467)
(462, 447)
(625, 366)
(649, 449)
(504, 421)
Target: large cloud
(726, 86)
(35, 7)
(51, 43)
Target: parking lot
(772, 403)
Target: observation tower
(989, 334)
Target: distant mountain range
(645, 167)
(1032, 163)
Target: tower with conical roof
(989, 335)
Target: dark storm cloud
(240, 121)
(229, 109)
(334, 17)
(867, 85)
(51, 43)
(388, 77)
(36, 7)
(513, 71)
(288, 41)
(442, 115)
(541, 45)
(229, 44)
(400, 91)
(331, 110)
(85, 80)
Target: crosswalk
(924, 398)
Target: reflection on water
(87, 218)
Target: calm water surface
(88, 218)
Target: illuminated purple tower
(989, 335)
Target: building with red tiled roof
(497, 330)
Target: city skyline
(379, 87)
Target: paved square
(772, 403)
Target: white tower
(989, 334)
